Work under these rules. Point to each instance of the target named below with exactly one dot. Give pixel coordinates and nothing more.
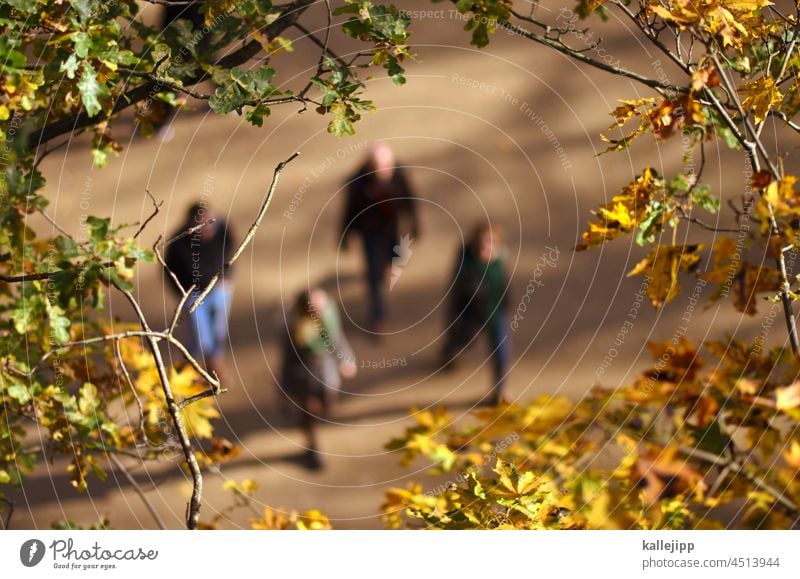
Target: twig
(156, 208)
(310, 35)
(136, 397)
(195, 502)
(250, 233)
(52, 222)
(182, 234)
(686, 217)
(176, 318)
(23, 277)
(751, 148)
(782, 115)
(572, 53)
(720, 461)
(48, 150)
(205, 394)
(10, 504)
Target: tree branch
(139, 491)
(288, 16)
(10, 504)
(578, 55)
(195, 502)
(250, 233)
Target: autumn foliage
(709, 436)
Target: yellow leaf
(760, 96)
(662, 266)
(792, 455)
(748, 386)
(788, 397)
(313, 521)
(624, 212)
(249, 486)
(620, 214)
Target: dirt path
(510, 133)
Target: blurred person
(161, 112)
(380, 207)
(316, 356)
(195, 259)
(479, 303)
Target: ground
(509, 133)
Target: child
(316, 355)
(479, 302)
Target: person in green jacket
(479, 303)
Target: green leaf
(100, 157)
(161, 54)
(67, 246)
(82, 44)
(19, 393)
(701, 195)
(647, 228)
(70, 66)
(728, 137)
(59, 323)
(91, 90)
(23, 5)
(111, 275)
(98, 228)
(340, 126)
(255, 115)
(24, 313)
(84, 8)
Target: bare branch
(10, 504)
(758, 481)
(657, 85)
(156, 208)
(193, 508)
(250, 233)
(686, 217)
(136, 397)
(205, 394)
(139, 491)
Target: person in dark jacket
(316, 355)
(195, 259)
(380, 206)
(161, 113)
(479, 304)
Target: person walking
(316, 356)
(195, 259)
(479, 303)
(380, 207)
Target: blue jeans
(500, 342)
(208, 325)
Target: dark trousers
(463, 332)
(378, 253)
